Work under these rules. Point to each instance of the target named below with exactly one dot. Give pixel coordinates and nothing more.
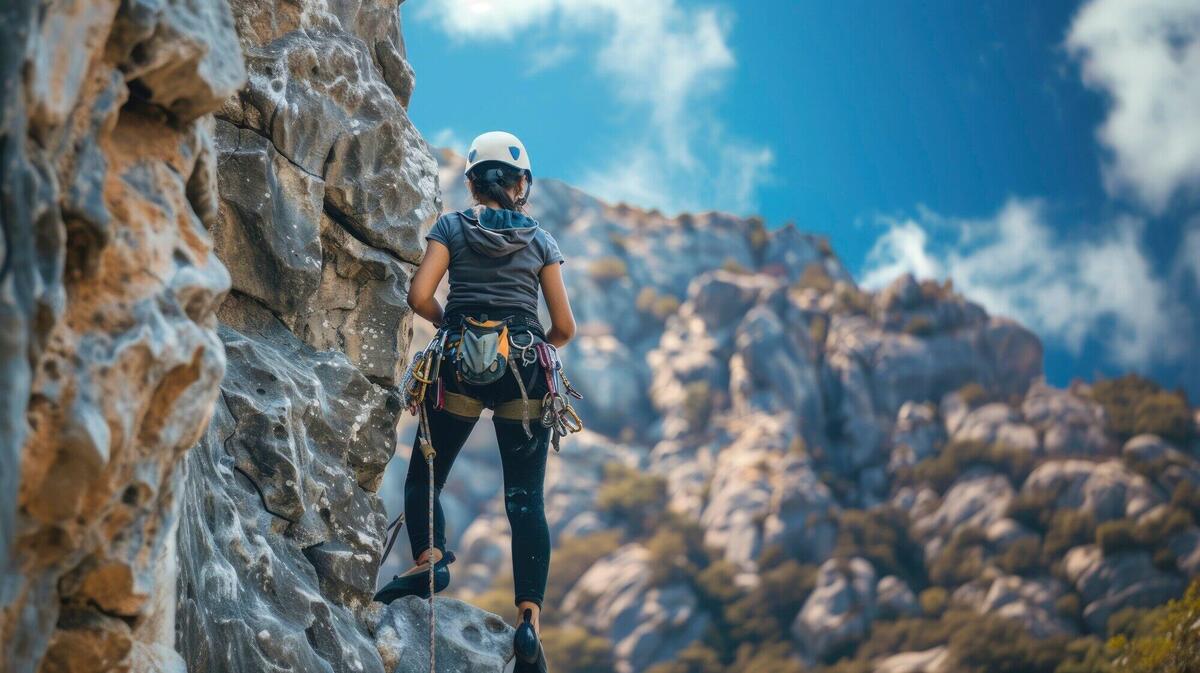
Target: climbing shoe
(527, 648)
(417, 584)
(525, 640)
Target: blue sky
(1045, 155)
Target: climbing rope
(429, 453)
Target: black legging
(524, 462)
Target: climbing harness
(483, 352)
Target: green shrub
(733, 266)
(1166, 415)
(695, 658)
(1085, 655)
(697, 403)
(572, 558)
(818, 330)
(1186, 496)
(996, 645)
(636, 498)
(960, 560)
(1166, 639)
(880, 535)
(1136, 405)
(974, 395)
(1069, 606)
(759, 237)
(850, 300)
(1033, 509)
(774, 657)
(1116, 536)
(677, 552)
(815, 277)
(766, 612)
(1068, 528)
(933, 601)
(1022, 557)
(920, 326)
(959, 456)
(577, 651)
(609, 269)
(660, 306)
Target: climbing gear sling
(423, 370)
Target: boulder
(933, 660)
(895, 599)
(1070, 424)
(1110, 583)
(917, 435)
(1030, 601)
(646, 624)
(976, 500)
(1106, 490)
(468, 639)
(840, 610)
(997, 423)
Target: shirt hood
(496, 233)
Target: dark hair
(491, 180)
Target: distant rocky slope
(784, 471)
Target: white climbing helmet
(498, 146)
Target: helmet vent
(514, 151)
(471, 156)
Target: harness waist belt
(470, 407)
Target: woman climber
(489, 351)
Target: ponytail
(490, 181)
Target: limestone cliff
(211, 212)
(108, 288)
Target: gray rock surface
(1031, 601)
(325, 190)
(646, 624)
(840, 609)
(1106, 490)
(1109, 583)
(467, 639)
(108, 286)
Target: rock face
(840, 609)
(325, 191)
(466, 639)
(108, 289)
(646, 624)
(134, 218)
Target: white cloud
(1145, 54)
(664, 60)
(449, 139)
(1105, 288)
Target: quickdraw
(557, 412)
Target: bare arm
(562, 321)
(425, 281)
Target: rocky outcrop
(1108, 583)
(325, 190)
(467, 640)
(646, 624)
(108, 289)
(840, 609)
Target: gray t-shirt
(496, 257)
